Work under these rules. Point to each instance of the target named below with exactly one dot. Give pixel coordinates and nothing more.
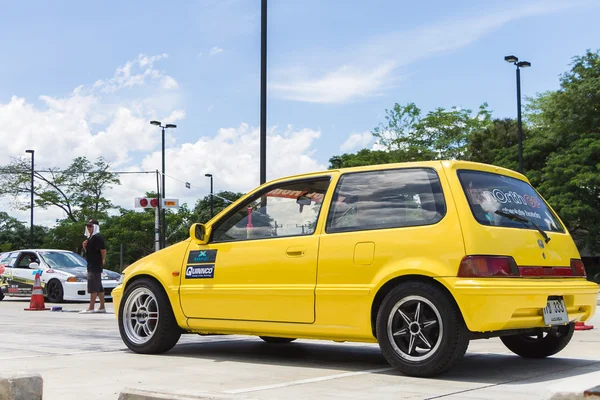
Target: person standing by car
(95, 253)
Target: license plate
(555, 313)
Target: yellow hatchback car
(419, 257)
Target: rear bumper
(500, 304)
(77, 291)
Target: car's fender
(165, 267)
(428, 267)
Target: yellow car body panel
(325, 285)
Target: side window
(9, 260)
(287, 209)
(386, 199)
(26, 259)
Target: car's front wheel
(54, 291)
(542, 345)
(420, 329)
(275, 340)
(146, 321)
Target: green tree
(14, 235)
(77, 190)
(496, 144)
(566, 137)
(222, 200)
(408, 136)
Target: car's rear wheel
(272, 339)
(54, 291)
(146, 321)
(542, 345)
(420, 329)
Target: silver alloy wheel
(415, 328)
(140, 315)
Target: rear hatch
(501, 214)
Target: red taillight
(578, 267)
(487, 266)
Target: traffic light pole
(156, 229)
(157, 238)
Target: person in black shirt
(95, 253)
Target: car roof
(36, 250)
(448, 164)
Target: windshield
(57, 259)
(488, 193)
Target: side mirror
(34, 265)
(200, 233)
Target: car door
(261, 261)
(23, 277)
(8, 286)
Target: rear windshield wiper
(525, 221)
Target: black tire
(1, 296)
(276, 340)
(165, 331)
(436, 338)
(54, 291)
(540, 346)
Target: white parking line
(305, 381)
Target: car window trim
(260, 193)
(339, 182)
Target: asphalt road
(82, 356)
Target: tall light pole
(263, 92)
(212, 210)
(520, 64)
(164, 219)
(32, 152)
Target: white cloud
(339, 86)
(357, 141)
(169, 83)
(215, 50)
(231, 156)
(136, 72)
(110, 119)
(369, 68)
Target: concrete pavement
(82, 356)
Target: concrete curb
(21, 387)
(137, 394)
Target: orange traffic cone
(37, 296)
(581, 326)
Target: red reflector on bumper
(545, 271)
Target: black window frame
(517, 225)
(262, 192)
(353, 229)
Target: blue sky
(84, 78)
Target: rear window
(488, 193)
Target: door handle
(295, 251)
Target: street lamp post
(520, 64)
(212, 210)
(164, 219)
(263, 92)
(32, 152)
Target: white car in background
(63, 275)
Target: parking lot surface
(83, 357)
